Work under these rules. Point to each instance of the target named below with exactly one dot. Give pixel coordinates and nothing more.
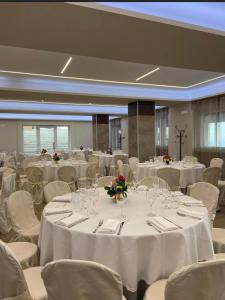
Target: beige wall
(180, 115)
(11, 136)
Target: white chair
(189, 158)
(70, 279)
(55, 188)
(153, 181)
(91, 175)
(216, 162)
(35, 183)
(171, 176)
(93, 159)
(17, 284)
(212, 175)
(68, 174)
(24, 221)
(8, 187)
(26, 253)
(105, 181)
(133, 162)
(208, 194)
(127, 173)
(200, 281)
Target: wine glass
(150, 200)
(121, 202)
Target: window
(214, 130)
(52, 138)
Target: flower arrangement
(117, 189)
(167, 159)
(43, 151)
(56, 157)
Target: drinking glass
(121, 202)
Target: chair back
(121, 157)
(133, 162)
(21, 211)
(55, 188)
(67, 174)
(92, 170)
(216, 162)
(105, 181)
(8, 171)
(34, 174)
(13, 284)
(93, 159)
(212, 175)
(154, 181)
(199, 281)
(90, 281)
(208, 194)
(8, 187)
(171, 176)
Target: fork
(99, 225)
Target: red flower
(121, 178)
(166, 157)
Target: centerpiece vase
(116, 197)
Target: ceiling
(204, 16)
(51, 63)
(111, 45)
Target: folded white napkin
(177, 193)
(191, 213)
(162, 224)
(142, 188)
(189, 201)
(63, 198)
(56, 210)
(72, 220)
(110, 226)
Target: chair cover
(200, 281)
(8, 187)
(24, 221)
(123, 158)
(216, 162)
(68, 174)
(11, 162)
(212, 175)
(208, 194)
(13, 285)
(35, 183)
(25, 253)
(92, 173)
(55, 188)
(133, 162)
(105, 181)
(153, 181)
(171, 176)
(28, 160)
(91, 281)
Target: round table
(189, 173)
(50, 168)
(140, 252)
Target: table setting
(190, 172)
(131, 238)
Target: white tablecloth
(107, 160)
(140, 252)
(189, 173)
(51, 168)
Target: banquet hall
(112, 151)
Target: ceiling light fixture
(149, 73)
(66, 65)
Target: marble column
(100, 125)
(141, 129)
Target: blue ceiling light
(199, 15)
(44, 117)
